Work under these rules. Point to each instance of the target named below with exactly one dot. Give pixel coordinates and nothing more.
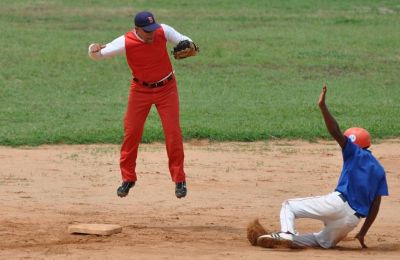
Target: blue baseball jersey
(362, 178)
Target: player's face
(147, 37)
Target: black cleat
(123, 190)
(180, 189)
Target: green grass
(259, 73)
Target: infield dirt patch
(45, 189)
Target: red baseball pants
(140, 101)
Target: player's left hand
(361, 240)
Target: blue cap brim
(151, 27)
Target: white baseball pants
(338, 217)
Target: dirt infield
(45, 189)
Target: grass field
(258, 76)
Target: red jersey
(148, 62)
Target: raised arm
(330, 122)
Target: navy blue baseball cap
(146, 21)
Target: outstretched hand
(321, 101)
(96, 47)
(361, 240)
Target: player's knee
(327, 244)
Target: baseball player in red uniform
(356, 196)
(153, 83)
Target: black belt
(342, 197)
(155, 84)
(358, 215)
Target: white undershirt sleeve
(173, 36)
(113, 48)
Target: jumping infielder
(153, 82)
(357, 195)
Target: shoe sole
(121, 195)
(269, 242)
(180, 196)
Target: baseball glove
(185, 49)
(254, 230)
